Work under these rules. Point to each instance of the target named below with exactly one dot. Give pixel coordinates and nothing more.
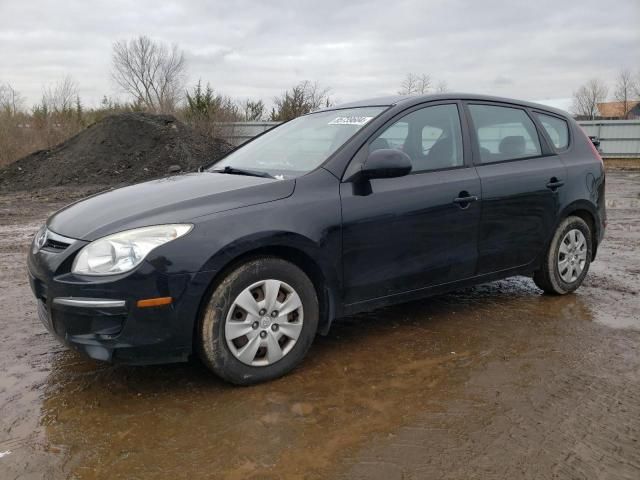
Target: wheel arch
(293, 248)
(586, 212)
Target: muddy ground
(496, 381)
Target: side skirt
(380, 302)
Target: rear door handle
(554, 183)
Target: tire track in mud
(522, 419)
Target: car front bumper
(100, 316)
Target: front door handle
(464, 199)
(554, 183)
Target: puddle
(497, 381)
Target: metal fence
(618, 138)
(239, 132)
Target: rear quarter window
(557, 129)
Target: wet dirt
(496, 381)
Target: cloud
(502, 80)
(250, 48)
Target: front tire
(259, 322)
(567, 261)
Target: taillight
(595, 151)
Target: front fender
(305, 227)
(274, 240)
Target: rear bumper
(601, 217)
(102, 320)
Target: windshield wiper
(240, 171)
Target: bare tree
(624, 91)
(152, 73)
(317, 96)
(424, 84)
(442, 87)
(253, 110)
(303, 98)
(587, 97)
(408, 85)
(11, 102)
(61, 97)
(415, 84)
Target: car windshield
(298, 146)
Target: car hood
(169, 200)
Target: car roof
(410, 100)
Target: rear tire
(259, 322)
(567, 260)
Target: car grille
(52, 244)
(56, 243)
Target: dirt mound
(118, 150)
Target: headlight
(39, 239)
(124, 251)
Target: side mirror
(386, 163)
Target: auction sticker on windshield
(349, 120)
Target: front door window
(431, 137)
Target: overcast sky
(536, 49)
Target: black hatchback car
(335, 212)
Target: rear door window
(557, 129)
(504, 133)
